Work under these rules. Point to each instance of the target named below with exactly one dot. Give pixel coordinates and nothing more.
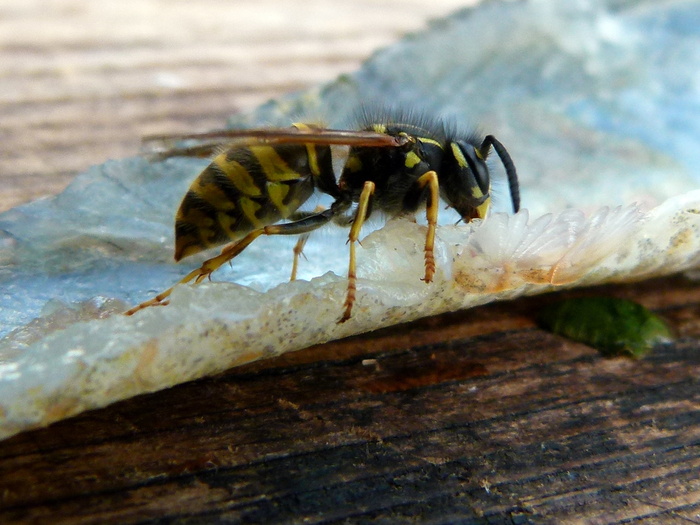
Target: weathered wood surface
(475, 416)
(81, 82)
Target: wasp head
(465, 182)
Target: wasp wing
(207, 143)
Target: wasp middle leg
(363, 207)
(298, 250)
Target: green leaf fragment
(613, 326)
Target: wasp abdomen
(245, 188)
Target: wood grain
(81, 82)
(471, 417)
(482, 418)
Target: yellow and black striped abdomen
(244, 188)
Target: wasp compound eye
(472, 168)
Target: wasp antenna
(503, 154)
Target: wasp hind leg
(302, 226)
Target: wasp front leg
(298, 250)
(430, 180)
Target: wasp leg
(230, 251)
(298, 250)
(430, 179)
(363, 206)
(299, 246)
(158, 300)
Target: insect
(395, 164)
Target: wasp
(396, 165)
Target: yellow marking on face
(277, 192)
(476, 191)
(238, 175)
(379, 128)
(459, 156)
(274, 167)
(250, 208)
(478, 153)
(412, 159)
(483, 208)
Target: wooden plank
(475, 416)
(82, 82)
(482, 417)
